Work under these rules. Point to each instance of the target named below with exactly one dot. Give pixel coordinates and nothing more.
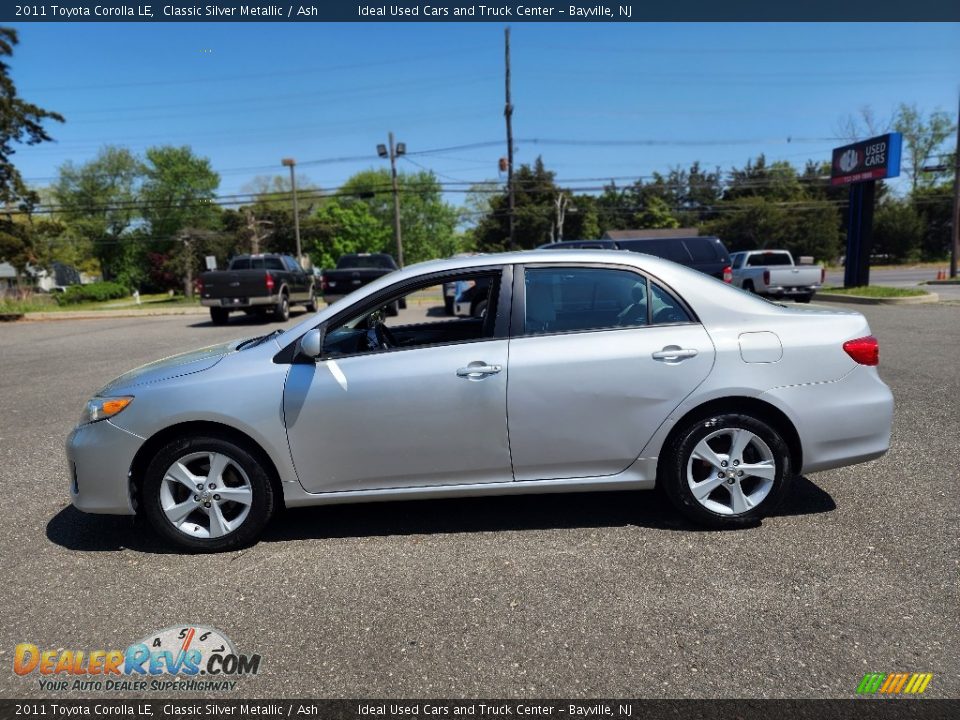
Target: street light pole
(291, 163)
(955, 240)
(393, 150)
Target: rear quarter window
(702, 250)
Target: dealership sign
(872, 159)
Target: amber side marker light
(112, 407)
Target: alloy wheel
(731, 471)
(206, 495)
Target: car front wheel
(207, 494)
(726, 470)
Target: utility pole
(393, 151)
(291, 163)
(955, 245)
(508, 113)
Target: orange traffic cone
(940, 274)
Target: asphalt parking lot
(552, 596)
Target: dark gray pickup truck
(257, 284)
(354, 271)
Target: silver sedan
(594, 371)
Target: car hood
(174, 366)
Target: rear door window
(568, 299)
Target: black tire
(448, 305)
(748, 286)
(677, 457)
(260, 511)
(479, 309)
(219, 316)
(281, 310)
(804, 298)
(312, 303)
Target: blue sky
(245, 95)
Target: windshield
(769, 258)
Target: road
(904, 277)
(571, 596)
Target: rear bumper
(780, 291)
(840, 423)
(99, 457)
(241, 302)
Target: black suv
(702, 252)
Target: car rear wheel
(748, 286)
(219, 316)
(726, 470)
(312, 303)
(207, 494)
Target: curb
(860, 300)
(942, 282)
(10, 317)
(95, 314)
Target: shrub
(95, 292)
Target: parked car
(705, 253)
(257, 284)
(605, 371)
(772, 273)
(353, 271)
(471, 297)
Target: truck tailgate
(799, 276)
(235, 284)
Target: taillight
(728, 274)
(200, 286)
(269, 284)
(766, 277)
(324, 285)
(865, 350)
(823, 275)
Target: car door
(599, 357)
(431, 411)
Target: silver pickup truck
(772, 273)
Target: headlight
(101, 408)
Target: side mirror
(311, 344)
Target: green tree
(347, 226)
(898, 230)
(98, 203)
(923, 137)
(656, 214)
(428, 224)
(535, 193)
(750, 223)
(20, 123)
(177, 201)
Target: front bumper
(840, 423)
(99, 457)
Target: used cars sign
(872, 159)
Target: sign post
(860, 165)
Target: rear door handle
(674, 353)
(478, 370)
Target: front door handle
(674, 353)
(478, 370)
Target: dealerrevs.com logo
(894, 683)
(182, 657)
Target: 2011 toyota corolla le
(595, 371)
